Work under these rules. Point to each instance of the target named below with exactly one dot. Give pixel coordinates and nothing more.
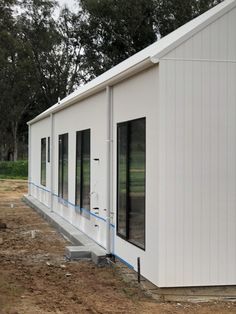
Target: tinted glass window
(43, 161)
(83, 169)
(131, 152)
(137, 182)
(122, 178)
(63, 167)
(78, 168)
(85, 197)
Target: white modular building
(143, 158)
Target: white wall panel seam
(51, 160)
(29, 161)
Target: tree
(54, 52)
(43, 57)
(171, 14)
(29, 76)
(72, 49)
(40, 62)
(113, 30)
(7, 43)
(39, 34)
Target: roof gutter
(166, 44)
(144, 64)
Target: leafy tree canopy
(44, 57)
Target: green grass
(14, 169)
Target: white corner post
(29, 159)
(109, 167)
(51, 160)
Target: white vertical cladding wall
(197, 144)
(90, 113)
(39, 130)
(216, 42)
(134, 98)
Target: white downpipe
(51, 161)
(109, 166)
(29, 160)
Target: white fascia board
(118, 73)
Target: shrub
(14, 169)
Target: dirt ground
(35, 278)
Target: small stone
(63, 266)
(1, 241)
(68, 274)
(49, 264)
(3, 225)
(13, 312)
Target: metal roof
(141, 60)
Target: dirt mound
(36, 279)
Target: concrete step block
(99, 259)
(77, 252)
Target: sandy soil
(35, 278)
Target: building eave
(141, 60)
(95, 86)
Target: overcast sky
(69, 3)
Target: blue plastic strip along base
(124, 262)
(69, 203)
(92, 214)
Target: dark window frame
(79, 196)
(61, 174)
(126, 237)
(49, 152)
(43, 181)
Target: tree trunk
(15, 140)
(2, 152)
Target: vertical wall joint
(109, 166)
(51, 160)
(29, 160)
